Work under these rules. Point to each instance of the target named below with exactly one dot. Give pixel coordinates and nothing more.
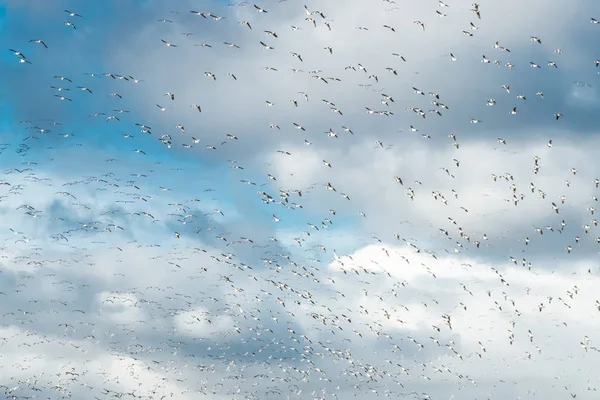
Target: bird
(167, 43)
(39, 41)
(18, 54)
(259, 9)
(72, 14)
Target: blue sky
(199, 267)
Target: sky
(374, 198)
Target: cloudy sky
(299, 200)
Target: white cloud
(567, 315)
(223, 309)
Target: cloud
(147, 262)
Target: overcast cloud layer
(282, 200)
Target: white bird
(39, 41)
(72, 14)
(246, 23)
(167, 43)
(260, 10)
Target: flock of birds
(274, 262)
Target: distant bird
(72, 14)
(259, 9)
(246, 23)
(39, 41)
(167, 43)
(18, 54)
(536, 39)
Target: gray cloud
(148, 314)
